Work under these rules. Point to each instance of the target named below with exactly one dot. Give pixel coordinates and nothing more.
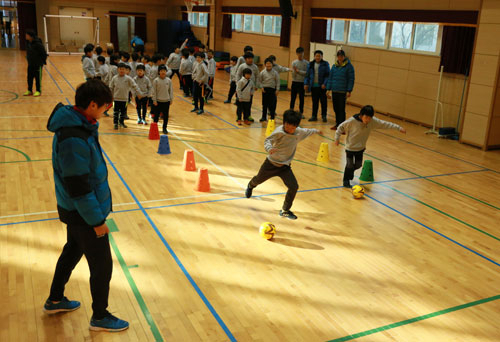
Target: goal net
(67, 34)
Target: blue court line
(433, 230)
(61, 75)
(263, 195)
(53, 79)
(172, 253)
(218, 117)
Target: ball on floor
(267, 230)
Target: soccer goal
(68, 34)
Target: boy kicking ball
(281, 146)
(357, 130)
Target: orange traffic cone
(202, 185)
(189, 164)
(153, 131)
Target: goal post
(68, 34)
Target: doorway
(126, 31)
(9, 27)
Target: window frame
(191, 16)
(260, 31)
(388, 37)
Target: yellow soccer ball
(358, 191)
(267, 230)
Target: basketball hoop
(190, 4)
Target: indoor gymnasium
(236, 170)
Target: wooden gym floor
(417, 259)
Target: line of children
(162, 95)
(141, 99)
(269, 81)
(121, 85)
(200, 78)
(233, 78)
(186, 70)
(245, 88)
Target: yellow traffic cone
(323, 154)
(270, 127)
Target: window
(375, 33)
(263, 24)
(426, 36)
(357, 31)
(338, 30)
(198, 19)
(397, 35)
(401, 35)
(236, 22)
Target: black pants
(198, 95)
(339, 107)
(187, 84)
(239, 108)
(35, 72)
(232, 91)
(245, 108)
(82, 240)
(269, 101)
(163, 107)
(176, 72)
(120, 111)
(354, 160)
(297, 88)
(268, 170)
(319, 95)
(141, 106)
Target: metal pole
(46, 36)
(97, 31)
(438, 104)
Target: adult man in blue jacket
(316, 79)
(138, 45)
(83, 201)
(340, 84)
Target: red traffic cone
(189, 164)
(153, 131)
(202, 185)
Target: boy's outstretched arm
(387, 125)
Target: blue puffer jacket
(341, 77)
(80, 173)
(323, 72)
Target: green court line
(15, 149)
(13, 99)
(429, 180)
(441, 212)
(415, 319)
(145, 311)
(25, 161)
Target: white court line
(123, 204)
(211, 162)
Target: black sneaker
(116, 126)
(194, 110)
(122, 124)
(262, 120)
(165, 131)
(288, 214)
(325, 120)
(313, 119)
(200, 112)
(347, 184)
(248, 191)
(227, 101)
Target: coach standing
(37, 58)
(340, 83)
